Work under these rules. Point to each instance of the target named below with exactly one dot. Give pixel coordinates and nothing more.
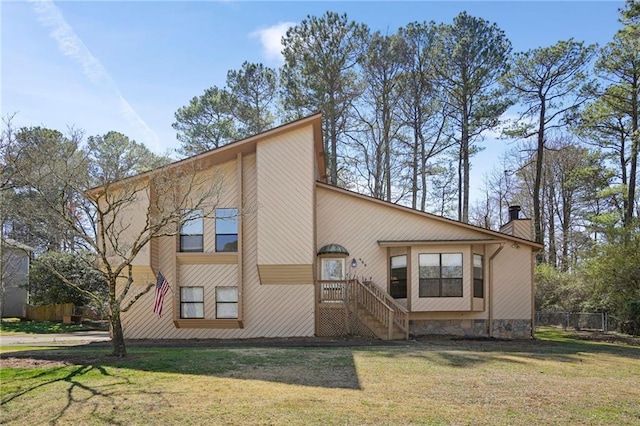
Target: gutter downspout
(491, 288)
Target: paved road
(62, 339)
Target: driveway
(61, 339)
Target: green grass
(552, 380)
(15, 325)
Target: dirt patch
(14, 362)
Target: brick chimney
(516, 226)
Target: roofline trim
(314, 119)
(429, 215)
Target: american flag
(162, 287)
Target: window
(440, 275)
(398, 284)
(226, 302)
(478, 276)
(191, 231)
(191, 302)
(332, 269)
(227, 230)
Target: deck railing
(365, 295)
(332, 291)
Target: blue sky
(128, 66)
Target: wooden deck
(359, 308)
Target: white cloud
(270, 38)
(72, 46)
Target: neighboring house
(290, 255)
(14, 278)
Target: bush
(46, 287)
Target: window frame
(324, 260)
(191, 302)
(227, 303)
(219, 219)
(478, 283)
(397, 284)
(440, 279)
(189, 218)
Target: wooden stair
(379, 329)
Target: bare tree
(118, 219)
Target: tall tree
(549, 83)
(253, 90)
(378, 112)
(205, 123)
(114, 156)
(421, 107)
(33, 151)
(619, 64)
(320, 74)
(471, 58)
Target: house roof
(245, 146)
(333, 249)
(492, 236)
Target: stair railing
(382, 307)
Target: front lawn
(553, 380)
(15, 325)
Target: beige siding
(285, 199)
(358, 224)
(512, 283)
(132, 221)
(269, 311)
(342, 220)
(228, 199)
(286, 274)
(209, 277)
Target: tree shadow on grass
(309, 366)
(75, 378)
(469, 353)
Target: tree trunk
(414, 165)
(334, 153)
(464, 151)
(537, 222)
(117, 336)
(635, 142)
(551, 200)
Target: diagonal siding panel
(285, 199)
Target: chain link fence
(600, 321)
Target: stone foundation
(504, 329)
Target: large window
(332, 269)
(440, 275)
(478, 276)
(191, 231)
(191, 302)
(398, 284)
(226, 302)
(227, 230)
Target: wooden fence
(49, 312)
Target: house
(14, 278)
(290, 255)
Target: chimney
(514, 213)
(517, 227)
